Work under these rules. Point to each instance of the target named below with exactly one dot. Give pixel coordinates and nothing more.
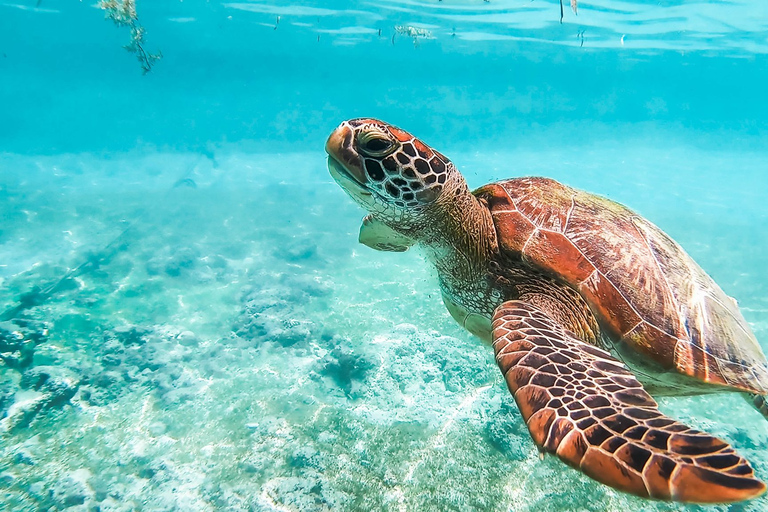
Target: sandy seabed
(227, 344)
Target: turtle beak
(340, 147)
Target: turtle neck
(459, 238)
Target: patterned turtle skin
(588, 305)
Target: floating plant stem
(413, 32)
(123, 14)
(574, 6)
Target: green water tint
(243, 352)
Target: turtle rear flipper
(587, 407)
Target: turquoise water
(204, 332)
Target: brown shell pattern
(646, 290)
(583, 405)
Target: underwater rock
(749, 439)
(137, 360)
(107, 379)
(217, 262)
(103, 387)
(128, 334)
(100, 488)
(174, 387)
(110, 504)
(34, 378)
(273, 324)
(127, 349)
(42, 388)
(277, 313)
(111, 360)
(173, 262)
(23, 456)
(8, 389)
(271, 438)
(37, 490)
(7, 479)
(18, 340)
(291, 331)
(188, 339)
(288, 289)
(157, 428)
(407, 381)
(57, 384)
(71, 490)
(348, 368)
(133, 356)
(306, 457)
(182, 261)
(23, 409)
(309, 493)
(154, 266)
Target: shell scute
(514, 230)
(550, 212)
(610, 304)
(655, 343)
(558, 255)
(607, 236)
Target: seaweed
(413, 32)
(123, 14)
(574, 6)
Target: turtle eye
(375, 144)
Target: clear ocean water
(188, 320)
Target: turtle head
(387, 170)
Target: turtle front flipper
(585, 406)
(377, 235)
(760, 402)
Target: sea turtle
(588, 305)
